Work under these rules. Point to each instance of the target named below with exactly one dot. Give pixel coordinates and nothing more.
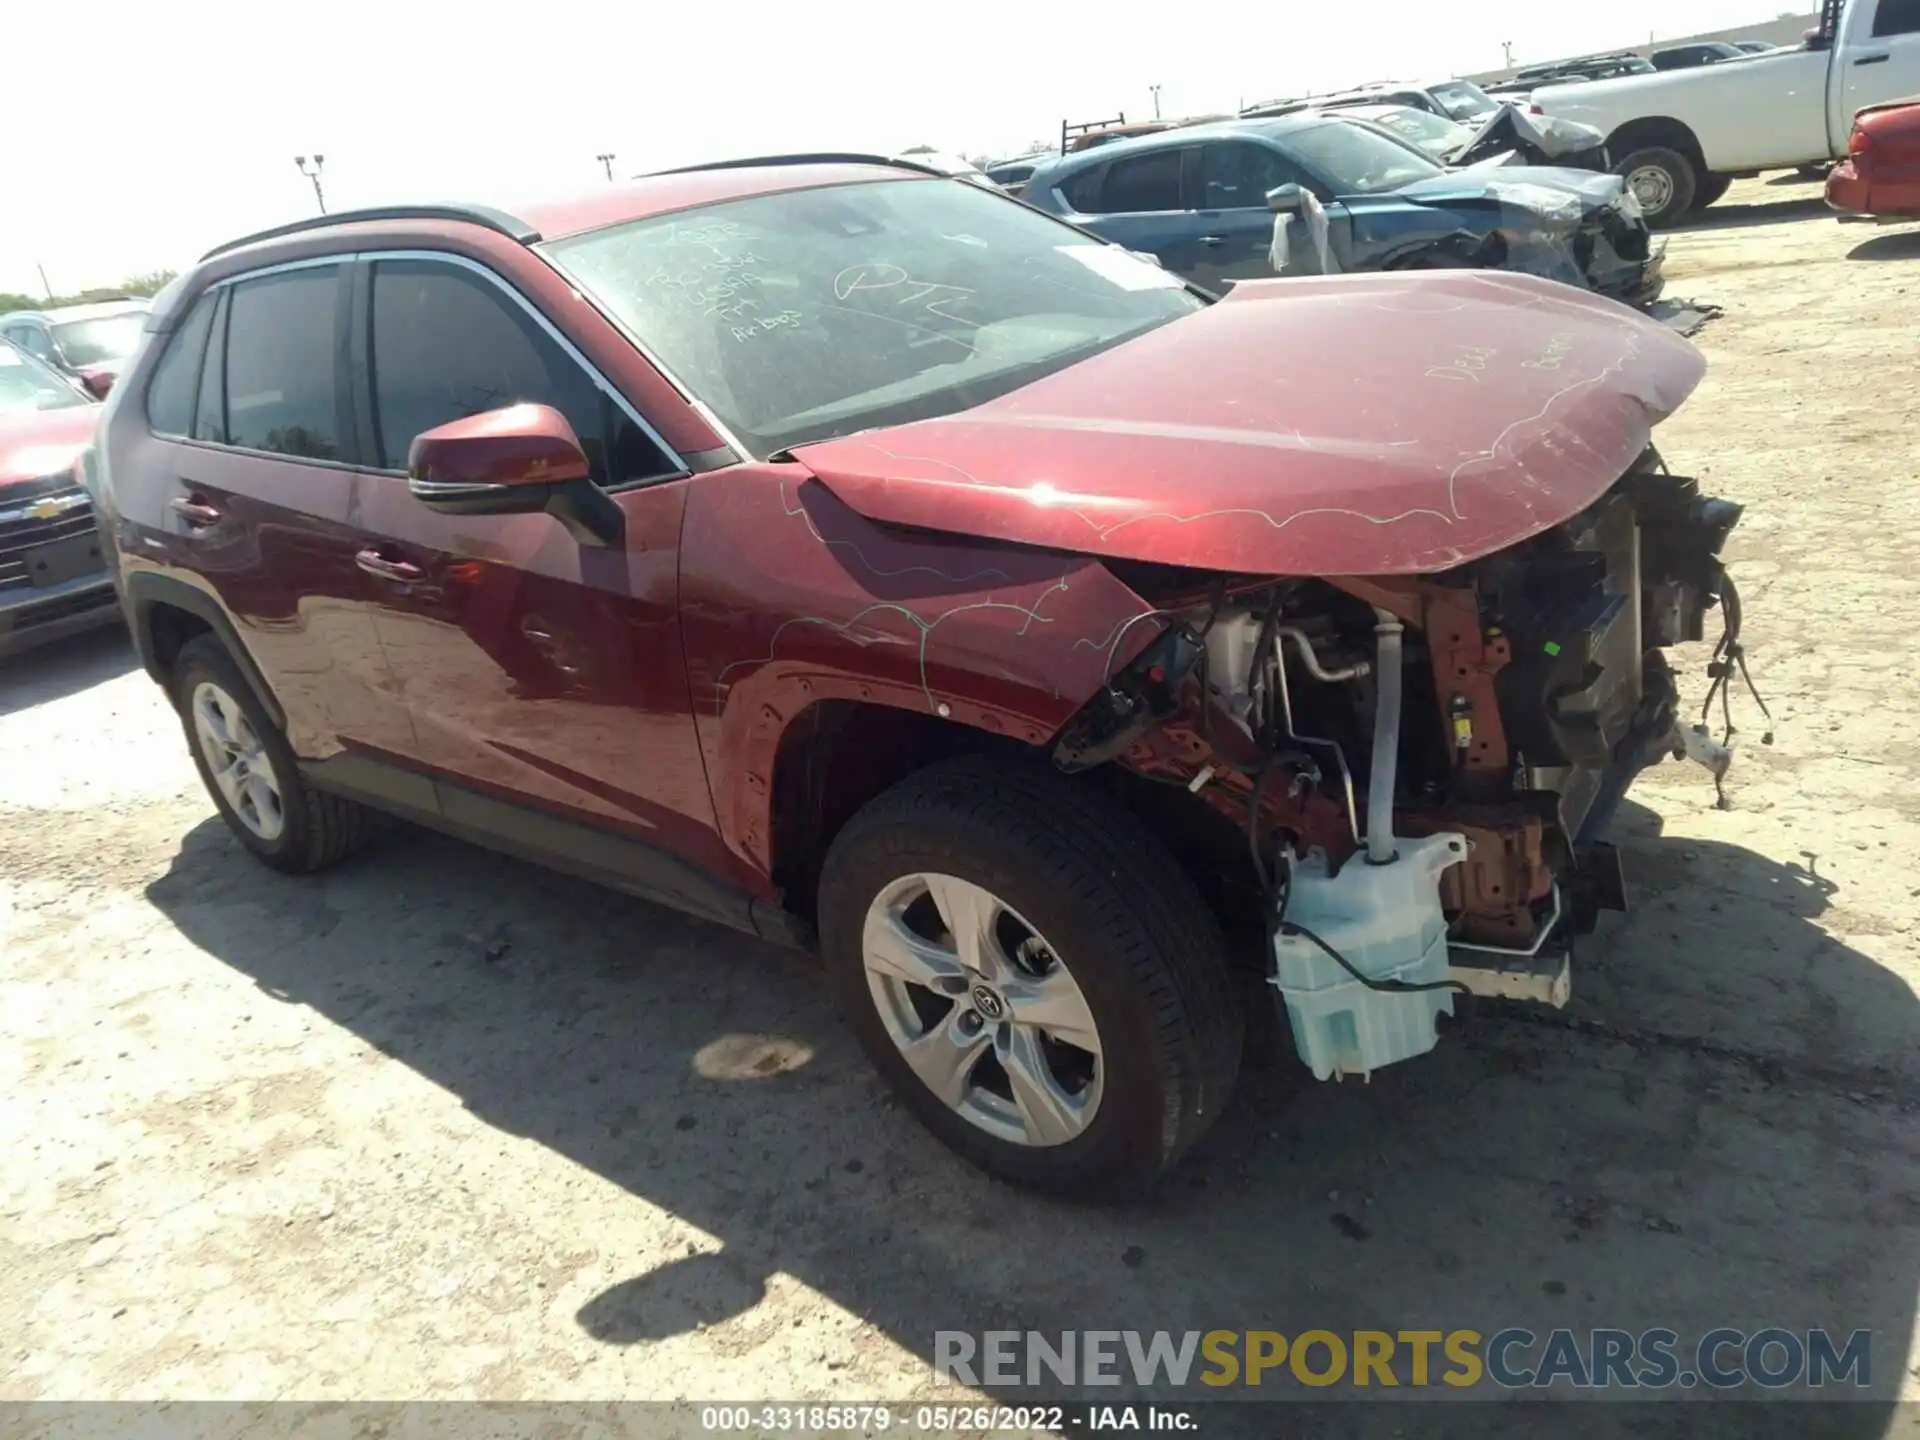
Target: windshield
(27, 385)
(97, 341)
(1463, 100)
(814, 313)
(1425, 129)
(1358, 160)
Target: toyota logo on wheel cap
(989, 1004)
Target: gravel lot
(439, 1124)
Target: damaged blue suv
(1203, 198)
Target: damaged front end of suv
(1422, 767)
(1404, 614)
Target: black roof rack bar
(511, 226)
(1070, 131)
(824, 157)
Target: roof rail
(824, 157)
(499, 221)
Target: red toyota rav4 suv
(832, 548)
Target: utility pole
(43, 279)
(314, 175)
(1156, 100)
(606, 162)
(1507, 45)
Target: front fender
(789, 597)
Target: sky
(139, 136)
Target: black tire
(317, 829)
(1710, 189)
(1128, 924)
(1683, 181)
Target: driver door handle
(197, 513)
(402, 571)
(1213, 239)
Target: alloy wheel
(983, 1009)
(241, 768)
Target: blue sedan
(1203, 199)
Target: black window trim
(362, 361)
(216, 345)
(344, 417)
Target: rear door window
(448, 343)
(282, 366)
(170, 395)
(1138, 184)
(1897, 17)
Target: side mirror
(97, 383)
(1284, 199)
(519, 460)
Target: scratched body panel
(1370, 424)
(788, 597)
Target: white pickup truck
(1680, 137)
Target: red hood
(43, 441)
(1364, 425)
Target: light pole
(314, 175)
(1507, 45)
(606, 162)
(1156, 100)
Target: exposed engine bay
(1422, 767)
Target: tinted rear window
(175, 378)
(1137, 183)
(281, 380)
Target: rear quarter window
(1082, 191)
(170, 394)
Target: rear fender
(144, 592)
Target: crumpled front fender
(789, 598)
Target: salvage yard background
(440, 1124)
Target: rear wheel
(250, 772)
(1710, 189)
(1033, 973)
(1664, 181)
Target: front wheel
(1664, 181)
(1034, 973)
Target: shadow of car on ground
(1734, 217)
(1712, 1135)
(65, 667)
(1895, 245)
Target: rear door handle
(1213, 239)
(1881, 58)
(197, 513)
(374, 563)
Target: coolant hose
(1386, 738)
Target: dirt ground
(440, 1124)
